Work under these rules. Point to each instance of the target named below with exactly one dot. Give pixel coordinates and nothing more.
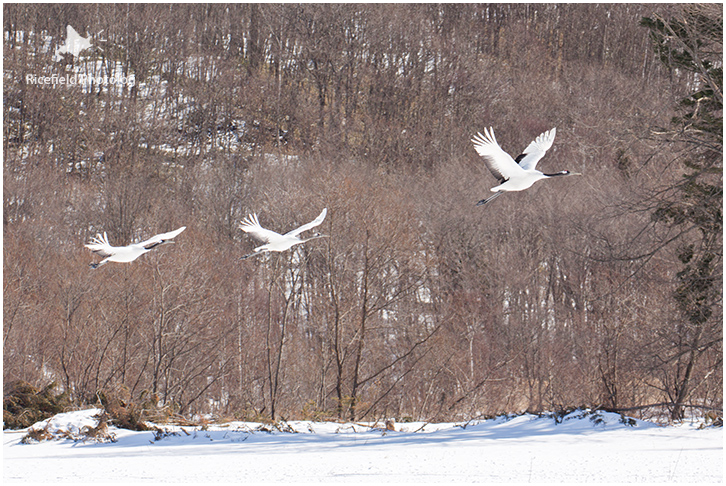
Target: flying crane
(99, 245)
(275, 241)
(514, 175)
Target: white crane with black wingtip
(519, 174)
(275, 241)
(125, 254)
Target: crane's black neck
(155, 244)
(561, 173)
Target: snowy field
(581, 448)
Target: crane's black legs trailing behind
(484, 201)
(249, 255)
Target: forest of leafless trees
(603, 290)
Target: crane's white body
(125, 254)
(519, 174)
(275, 241)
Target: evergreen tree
(691, 43)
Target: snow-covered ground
(582, 448)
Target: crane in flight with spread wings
(100, 245)
(514, 174)
(275, 241)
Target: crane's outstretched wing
(252, 226)
(500, 163)
(99, 245)
(161, 238)
(312, 224)
(536, 150)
